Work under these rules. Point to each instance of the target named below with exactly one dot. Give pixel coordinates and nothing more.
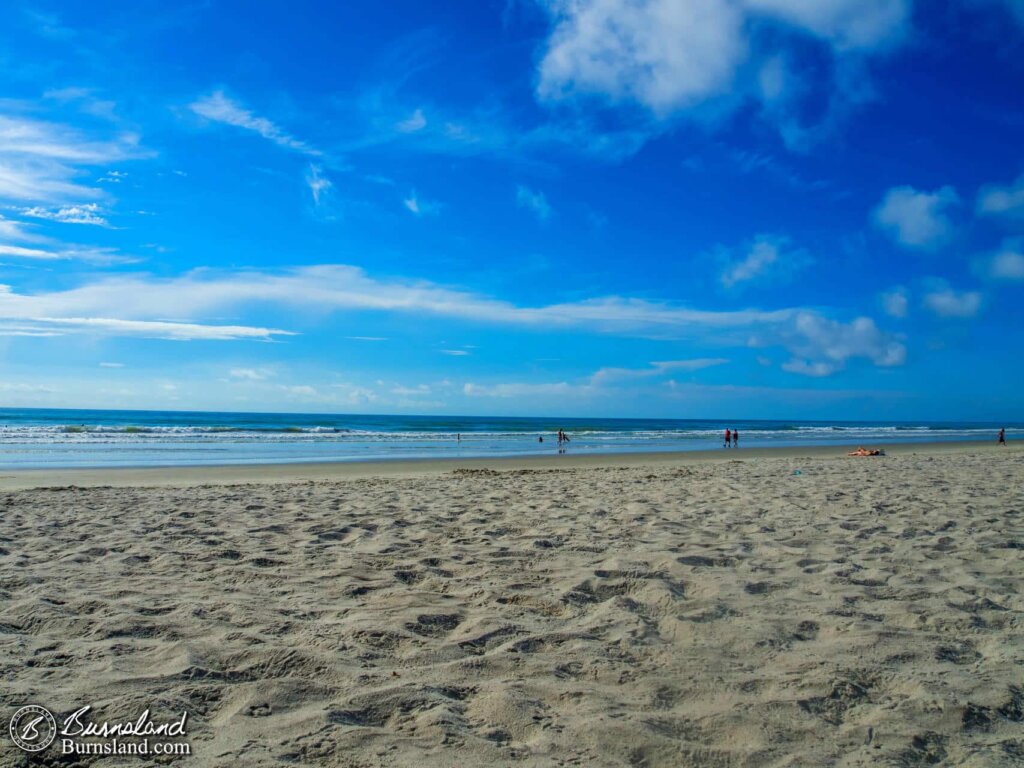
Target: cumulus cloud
(895, 302)
(821, 346)
(1002, 201)
(661, 54)
(1008, 262)
(533, 201)
(221, 109)
(767, 256)
(917, 219)
(667, 56)
(946, 302)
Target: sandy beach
(771, 608)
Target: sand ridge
(863, 612)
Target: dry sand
(658, 613)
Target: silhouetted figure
(728, 438)
(1002, 436)
(735, 438)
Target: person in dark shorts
(1002, 436)
(735, 438)
(728, 438)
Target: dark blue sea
(81, 438)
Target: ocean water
(37, 438)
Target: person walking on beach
(735, 438)
(728, 438)
(1002, 436)
(562, 440)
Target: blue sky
(710, 208)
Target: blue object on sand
(796, 471)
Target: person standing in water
(735, 438)
(728, 438)
(1002, 436)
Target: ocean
(41, 438)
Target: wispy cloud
(250, 374)
(806, 334)
(419, 207)
(88, 254)
(85, 213)
(318, 184)
(221, 109)
(41, 161)
(917, 219)
(663, 368)
(767, 256)
(414, 123)
(106, 326)
(533, 201)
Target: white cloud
(895, 302)
(807, 368)
(764, 258)
(27, 253)
(917, 219)
(222, 109)
(420, 207)
(103, 256)
(533, 201)
(250, 374)
(300, 390)
(155, 329)
(318, 184)
(522, 389)
(669, 56)
(946, 302)
(662, 54)
(821, 346)
(420, 390)
(455, 352)
(662, 368)
(14, 230)
(111, 365)
(40, 161)
(846, 24)
(143, 299)
(415, 122)
(1003, 201)
(85, 213)
(1008, 262)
